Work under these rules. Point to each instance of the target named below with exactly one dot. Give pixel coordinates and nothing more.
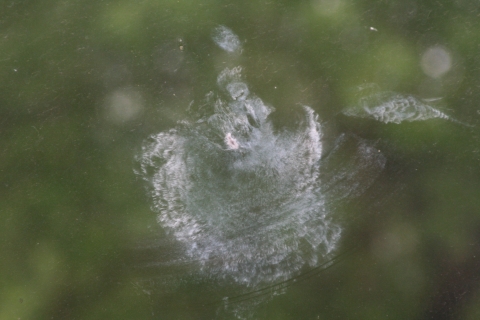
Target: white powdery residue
(164, 149)
(395, 108)
(237, 90)
(229, 76)
(226, 39)
(257, 217)
(258, 110)
(244, 199)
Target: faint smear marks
(226, 39)
(396, 108)
(350, 168)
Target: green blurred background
(83, 83)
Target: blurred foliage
(84, 82)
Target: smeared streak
(395, 108)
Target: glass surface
(239, 160)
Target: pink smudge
(231, 142)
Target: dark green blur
(83, 83)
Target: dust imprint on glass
(395, 108)
(247, 200)
(226, 39)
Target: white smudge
(252, 211)
(393, 107)
(226, 39)
(246, 201)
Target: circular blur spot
(436, 61)
(123, 105)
